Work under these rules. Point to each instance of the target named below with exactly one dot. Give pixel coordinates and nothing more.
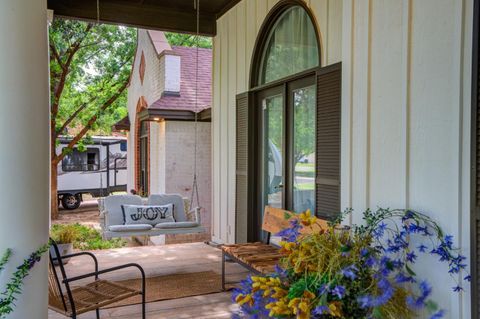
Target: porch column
(24, 145)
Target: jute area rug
(173, 287)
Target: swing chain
(195, 182)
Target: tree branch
(92, 121)
(54, 52)
(66, 69)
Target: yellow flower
(335, 309)
(307, 219)
(243, 299)
(309, 295)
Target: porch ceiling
(164, 15)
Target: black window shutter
(244, 130)
(329, 88)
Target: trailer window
(123, 146)
(82, 161)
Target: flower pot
(65, 249)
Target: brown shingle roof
(186, 99)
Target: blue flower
(379, 231)
(339, 291)
(411, 257)
(324, 289)
(320, 310)
(419, 302)
(408, 215)
(365, 301)
(402, 278)
(457, 288)
(364, 252)
(291, 234)
(349, 272)
(371, 261)
(437, 315)
(448, 241)
(468, 278)
(422, 248)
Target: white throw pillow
(147, 214)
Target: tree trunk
(53, 191)
(53, 172)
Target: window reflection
(304, 149)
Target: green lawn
(305, 186)
(305, 169)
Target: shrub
(87, 238)
(65, 234)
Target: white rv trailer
(88, 173)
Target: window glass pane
(81, 161)
(291, 47)
(274, 150)
(304, 149)
(123, 146)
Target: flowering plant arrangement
(14, 287)
(359, 272)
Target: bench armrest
(196, 215)
(103, 271)
(103, 219)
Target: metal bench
(73, 301)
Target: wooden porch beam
(136, 14)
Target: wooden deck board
(157, 261)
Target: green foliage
(99, 66)
(6, 256)
(188, 40)
(64, 235)
(14, 286)
(88, 238)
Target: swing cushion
(165, 199)
(124, 228)
(113, 205)
(177, 225)
(147, 214)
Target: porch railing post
(24, 144)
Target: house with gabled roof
(165, 95)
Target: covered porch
(405, 125)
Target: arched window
(291, 46)
(291, 119)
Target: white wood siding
(405, 117)
(405, 111)
(232, 52)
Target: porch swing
(185, 220)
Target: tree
(188, 40)
(89, 71)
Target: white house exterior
(162, 86)
(406, 116)
(406, 110)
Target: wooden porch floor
(163, 260)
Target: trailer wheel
(70, 201)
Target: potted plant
(64, 236)
(361, 272)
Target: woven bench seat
(260, 257)
(72, 300)
(94, 295)
(257, 256)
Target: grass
(305, 186)
(88, 238)
(305, 169)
